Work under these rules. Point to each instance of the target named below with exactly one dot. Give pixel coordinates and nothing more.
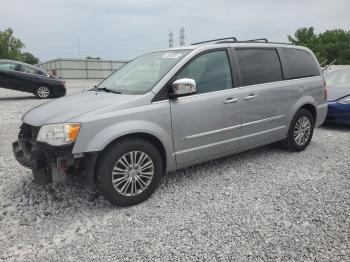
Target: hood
(335, 93)
(66, 108)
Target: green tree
(304, 36)
(29, 58)
(335, 44)
(10, 47)
(329, 45)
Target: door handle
(250, 97)
(230, 100)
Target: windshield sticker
(171, 55)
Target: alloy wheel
(132, 173)
(302, 130)
(43, 92)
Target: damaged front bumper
(51, 163)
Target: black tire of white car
(290, 142)
(107, 165)
(43, 92)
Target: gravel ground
(265, 204)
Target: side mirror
(184, 86)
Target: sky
(124, 29)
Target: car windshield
(141, 74)
(339, 78)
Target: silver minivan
(174, 108)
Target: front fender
(105, 136)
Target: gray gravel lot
(265, 204)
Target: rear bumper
(321, 114)
(338, 113)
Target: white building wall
(81, 68)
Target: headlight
(345, 100)
(59, 134)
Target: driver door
(207, 124)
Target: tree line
(10, 48)
(328, 46)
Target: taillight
(325, 92)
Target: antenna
(171, 39)
(182, 36)
(330, 64)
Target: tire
(111, 164)
(43, 92)
(304, 119)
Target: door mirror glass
(184, 86)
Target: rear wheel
(129, 171)
(300, 131)
(42, 92)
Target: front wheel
(300, 131)
(42, 92)
(129, 171)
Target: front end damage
(51, 163)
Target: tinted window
(299, 63)
(8, 66)
(211, 72)
(259, 66)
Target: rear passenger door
(266, 97)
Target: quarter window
(211, 71)
(299, 63)
(259, 66)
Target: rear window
(299, 64)
(259, 66)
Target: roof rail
(257, 40)
(232, 38)
(244, 41)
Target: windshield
(338, 78)
(141, 74)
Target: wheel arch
(312, 109)
(147, 137)
(306, 102)
(141, 135)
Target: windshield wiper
(106, 90)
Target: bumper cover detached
(54, 162)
